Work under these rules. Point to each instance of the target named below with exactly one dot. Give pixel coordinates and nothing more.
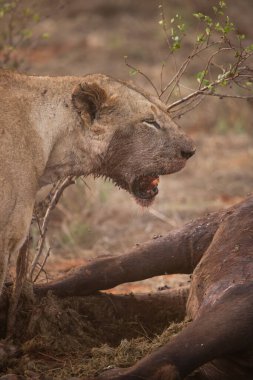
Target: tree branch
(58, 190)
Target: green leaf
(206, 82)
(240, 37)
(204, 18)
(181, 27)
(175, 46)
(249, 48)
(229, 26)
(199, 16)
(208, 20)
(208, 31)
(27, 33)
(27, 12)
(217, 26)
(36, 17)
(133, 72)
(46, 36)
(201, 37)
(200, 76)
(222, 4)
(224, 83)
(176, 38)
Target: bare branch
(188, 106)
(203, 91)
(42, 265)
(58, 190)
(195, 52)
(221, 96)
(188, 97)
(231, 76)
(220, 50)
(143, 74)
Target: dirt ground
(94, 218)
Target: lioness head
(133, 137)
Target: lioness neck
(59, 128)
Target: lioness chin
(52, 127)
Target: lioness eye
(153, 123)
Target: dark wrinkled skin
(218, 343)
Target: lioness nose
(188, 153)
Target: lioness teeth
(154, 191)
(149, 184)
(146, 187)
(147, 180)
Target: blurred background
(94, 218)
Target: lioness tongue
(154, 183)
(149, 184)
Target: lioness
(54, 127)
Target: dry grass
(81, 337)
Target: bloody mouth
(145, 188)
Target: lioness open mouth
(145, 188)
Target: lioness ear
(88, 98)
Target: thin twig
(208, 90)
(244, 97)
(196, 51)
(161, 78)
(60, 187)
(42, 265)
(203, 91)
(165, 30)
(210, 61)
(162, 217)
(142, 74)
(187, 107)
(51, 357)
